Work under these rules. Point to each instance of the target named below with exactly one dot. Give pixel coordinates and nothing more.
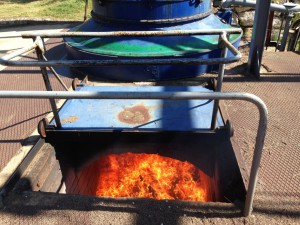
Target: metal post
(85, 10)
(219, 81)
(39, 54)
(260, 138)
(262, 10)
(56, 75)
(269, 31)
(286, 31)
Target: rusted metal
(118, 62)
(44, 72)
(56, 75)
(131, 33)
(42, 127)
(270, 26)
(75, 83)
(138, 114)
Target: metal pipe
(219, 81)
(39, 54)
(285, 8)
(131, 33)
(262, 126)
(230, 46)
(20, 51)
(119, 62)
(56, 75)
(258, 39)
(85, 10)
(286, 31)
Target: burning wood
(151, 176)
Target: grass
(43, 9)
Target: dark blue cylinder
(149, 15)
(150, 11)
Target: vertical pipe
(262, 10)
(56, 75)
(286, 31)
(270, 26)
(219, 82)
(260, 138)
(39, 54)
(85, 10)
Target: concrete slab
(9, 42)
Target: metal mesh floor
(277, 199)
(19, 117)
(278, 190)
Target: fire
(151, 176)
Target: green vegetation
(43, 9)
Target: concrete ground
(277, 199)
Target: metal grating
(280, 168)
(284, 63)
(19, 117)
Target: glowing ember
(151, 176)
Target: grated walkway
(19, 117)
(277, 199)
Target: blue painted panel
(170, 115)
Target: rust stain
(138, 114)
(70, 119)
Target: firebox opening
(146, 176)
(206, 158)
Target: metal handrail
(224, 45)
(38, 45)
(261, 132)
(113, 62)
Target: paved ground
(277, 200)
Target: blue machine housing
(108, 17)
(150, 10)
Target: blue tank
(159, 15)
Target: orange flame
(151, 176)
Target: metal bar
(219, 81)
(39, 54)
(273, 7)
(230, 47)
(296, 40)
(262, 126)
(286, 31)
(20, 51)
(280, 29)
(131, 33)
(85, 10)
(57, 76)
(269, 31)
(119, 62)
